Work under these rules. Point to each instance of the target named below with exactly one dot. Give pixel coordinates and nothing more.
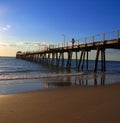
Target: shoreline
(75, 104)
(28, 85)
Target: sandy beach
(99, 104)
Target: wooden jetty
(56, 55)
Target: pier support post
(57, 64)
(59, 59)
(48, 58)
(53, 58)
(96, 60)
(68, 65)
(83, 59)
(76, 60)
(87, 61)
(103, 62)
(80, 60)
(62, 59)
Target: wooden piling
(96, 59)
(76, 59)
(53, 58)
(62, 53)
(68, 65)
(79, 64)
(87, 61)
(83, 60)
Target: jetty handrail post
(67, 43)
(78, 42)
(103, 37)
(62, 44)
(93, 38)
(117, 33)
(58, 45)
(64, 36)
(85, 39)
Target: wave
(39, 76)
(17, 71)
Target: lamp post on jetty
(64, 38)
(39, 45)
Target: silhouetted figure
(73, 41)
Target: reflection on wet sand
(57, 84)
(82, 80)
(100, 81)
(61, 82)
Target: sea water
(17, 76)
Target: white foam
(38, 76)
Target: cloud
(4, 45)
(6, 27)
(7, 45)
(18, 44)
(37, 43)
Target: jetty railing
(91, 39)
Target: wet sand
(99, 104)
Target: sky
(25, 23)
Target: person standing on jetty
(73, 41)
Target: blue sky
(47, 20)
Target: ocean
(19, 76)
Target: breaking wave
(38, 76)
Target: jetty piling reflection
(82, 80)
